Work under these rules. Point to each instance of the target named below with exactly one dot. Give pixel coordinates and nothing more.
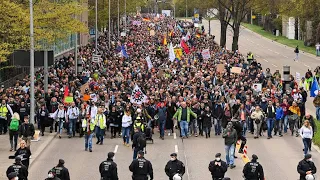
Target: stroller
(148, 132)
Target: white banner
(137, 96)
(206, 54)
(150, 66)
(172, 56)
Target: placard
(68, 99)
(206, 54)
(152, 33)
(236, 70)
(257, 87)
(220, 68)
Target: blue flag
(124, 52)
(180, 28)
(314, 88)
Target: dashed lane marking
(116, 149)
(174, 135)
(274, 65)
(176, 148)
(265, 60)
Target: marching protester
(139, 141)
(52, 176)
(61, 171)
(174, 167)
(126, 126)
(230, 139)
(218, 168)
(108, 169)
(23, 153)
(253, 170)
(306, 133)
(19, 168)
(257, 117)
(72, 117)
(4, 110)
(183, 116)
(306, 168)
(14, 131)
(26, 131)
(100, 125)
(88, 126)
(141, 168)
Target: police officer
(12, 176)
(141, 168)
(52, 176)
(108, 169)
(19, 168)
(253, 170)
(174, 166)
(60, 171)
(218, 168)
(306, 167)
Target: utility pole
(251, 17)
(186, 9)
(32, 101)
(76, 53)
(118, 19)
(45, 56)
(109, 32)
(96, 31)
(125, 15)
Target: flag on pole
(314, 90)
(65, 94)
(178, 53)
(165, 40)
(180, 28)
(188, 36)
(150, 66)
(124, 52)
(137, 96)
(172, 56)
(185, 47)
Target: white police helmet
(177, 177)
(310, 177)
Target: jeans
(88, 141)
(3, 126)
(72, 126)
(193, 127)
(278, 126)
(318, 52)
(318, 113)
(61, 121)
(135, 152)
(184, 128)
(244, 127)
(99, 134)
(306, 144)
(200, 125)
(270, 122)
(13, 136)
(285, 124)
(297, 56)
(162, 125)
(126, 134)
(217, 126)
(207, 131)
(229, 154)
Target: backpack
(142, 142)
(14, 125)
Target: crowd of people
(192, 93)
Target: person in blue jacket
(279, 120)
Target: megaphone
(177, 177)
(310, 177)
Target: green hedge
(316, 138)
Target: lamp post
(32, 101)
(118, 18)
(186, 9)
(125, 15)
(96, 33)
(109, 32)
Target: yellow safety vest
(3, 111)
(250, 56)
(138, 124)
(84, 125)
(99, 117)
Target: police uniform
(141, 168)
(174, 167)
(108, 169)
(253, 170)
(20, 169)
(60, 171)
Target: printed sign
(206, 54)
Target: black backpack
(142, 142)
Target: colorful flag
(137, 96)
(172, 56)
(198, 35)
(150, 66)
(146, 19)
(180, 28)
(65, 94)
(165, 40)
(185, 47)
(124, 52)
(178, 53)
(314, 90)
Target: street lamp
(109, 33)
(186, 9)
(32, 101)
(96, 46)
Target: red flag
(66, 93)
(185, 47)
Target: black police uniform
(218, 172)
(20, 169)
(174, 167)
(253, 171)
(61, 172)
(108, 170)
(140, 169)
(305, 166)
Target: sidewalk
(36, 149)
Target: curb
(303, 52)
(42, 147)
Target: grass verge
(280, 39)
(316, 138)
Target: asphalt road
(279, 156)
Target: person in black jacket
(19, 168)
(113, 120)
(141, 168)
(207, 124)
(26, 131)
(306, 166)
(174, 166)
(52, 176)
(253, 170)
(24, 153)
(108, 169)
(218, 168)
(218, 115)
(136, 146)
(239, 128)
(60, 171)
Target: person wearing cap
(61, 171)
(138, 123)
(13, 176)
(108, 169)
(306, 167)
(253, 169)
(174, 166)
(26, 131)
(24, 153)
(101, 124)
(230, 139)
(52, 176)
(141, 168)
(218, 168)
(19, 168)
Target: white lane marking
(258, 56)
(285, 56)
(176, 149)
(186, 165)
(270, 50)
(174, 135)
(116, 149)
(265, 60)
(306, 65)
(274, 65)
(276, 52)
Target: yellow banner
(178, 53)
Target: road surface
(279, 155)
